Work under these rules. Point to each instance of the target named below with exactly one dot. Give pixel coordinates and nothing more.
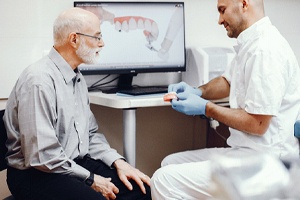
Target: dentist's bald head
(238, 15)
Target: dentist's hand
(182, 87)
(189, 104)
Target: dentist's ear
(245, 4)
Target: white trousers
(186, 175)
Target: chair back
(297, 129)
(3, 138)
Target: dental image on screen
(139, 34)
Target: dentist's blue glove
(182, 87)
(189, 104)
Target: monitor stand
(124, 83)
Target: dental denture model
(170, 96)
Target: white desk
(129, 104)
(2, 103)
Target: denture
(170, 96)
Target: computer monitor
(139, 37)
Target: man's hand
(127, 172)
(189, 104)
(105, 187)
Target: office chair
(3, 149)
(3, 138)
(287, 163)
(297, 129)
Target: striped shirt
(49, 122)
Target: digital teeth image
(128, 23)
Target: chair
(3, 138)
(287, 163)
(297, 129)
(3, 149)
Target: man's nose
(101, 43)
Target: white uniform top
(264, 79)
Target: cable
(97, 86)
(214, 124)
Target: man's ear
(73, 40)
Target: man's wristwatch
(90, 180)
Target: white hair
(73, 20)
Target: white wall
(26, 30)
(202, 22)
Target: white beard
(88, 55)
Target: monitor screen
(139, 37)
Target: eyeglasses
(91, 36)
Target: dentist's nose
(221, 20)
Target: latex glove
(183, 87)
(189, 104)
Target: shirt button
(81, 142)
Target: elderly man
(263, 85)
(54, 149)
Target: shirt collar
(61, 64)
(251, 32)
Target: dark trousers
(32, 184)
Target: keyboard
(144, 90)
